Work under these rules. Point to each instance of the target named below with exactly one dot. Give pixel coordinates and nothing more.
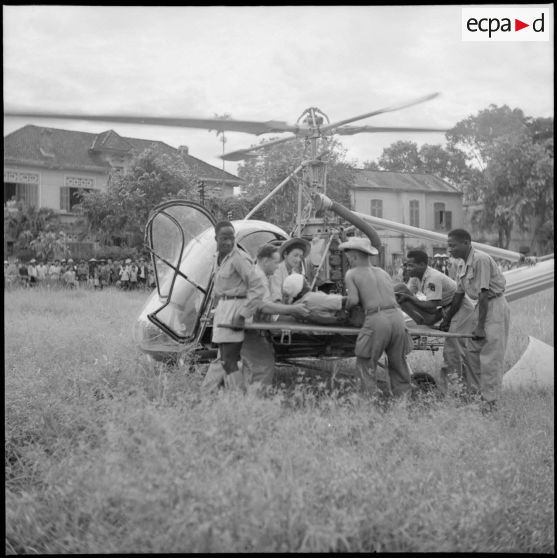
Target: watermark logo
(506, 24)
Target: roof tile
(57, 148)
(388, 180)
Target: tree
(270, 167)
(520, 171)
(401, 156)
(474, 136)
(123, 209)
(230, 208)
(50, 245)
(25, 224)
(510, 162)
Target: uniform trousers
(484, 363)
(258, 359)
(383, 331)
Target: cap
(128, 260)
(359, 243)
(295, 243)
(293, 285)
(33, 261)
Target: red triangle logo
(518, 25)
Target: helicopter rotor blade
(240, 154)
(380, 111)
(351, 130)
(246, 126)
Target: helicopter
(177, 317)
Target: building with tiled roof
(48, 167)
(420, 200)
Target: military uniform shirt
(436, 286)
(235, 276)
(478, 272)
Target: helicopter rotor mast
(313, 168)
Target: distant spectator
(104, 273)
(32, 272)
(23, 274)
(68, 278)
(55, 272)
(111, 272)
(82, 272)
(42, 271)
(118, 267)
(134, 270)
(91, 265)
(125, 275)
(97, 277)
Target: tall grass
(109, 453)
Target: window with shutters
(70, 197)
(414, 213)
(443, 220)
(376, 209)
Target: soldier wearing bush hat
(360, 244)
(384, 329)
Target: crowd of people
(126, 274)
(471, 306)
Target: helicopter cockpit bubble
(181, 238)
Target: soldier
(238, 291)
(480, 279)
(258, 355)
(438, 291)
(384, 329)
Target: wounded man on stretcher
(326, 309)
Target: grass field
(109, 453)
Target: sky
(264, 63)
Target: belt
(233, 297)
(494, 296)
(375, 309)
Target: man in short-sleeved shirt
(479, 277)
(237, 291)
(438, 291)
(258, 355)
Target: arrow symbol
(518, 25)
